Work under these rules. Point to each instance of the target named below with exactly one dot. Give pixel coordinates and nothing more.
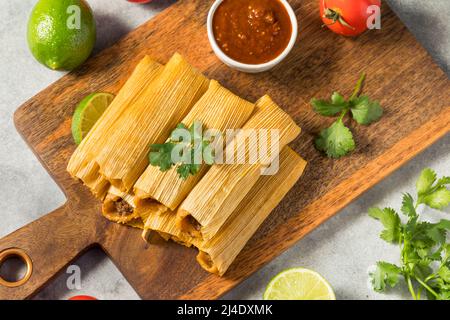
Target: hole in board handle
(15, 253)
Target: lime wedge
(88, 112)
(299, 284)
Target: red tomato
(348, 18)
(82, 298)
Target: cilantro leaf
(443, 181)
(408, 206)
(336, 105)
(444, 224)
(190, 145)
(391, 222)
(365, 111)
(385, 274)
(436, 233)
(436, 255)
(185, 170)
(422, 252)
(444, 273)
(336, 141)
(426, 179)
(435, 196)
(160, 156)
(438, 199)
(430, 234)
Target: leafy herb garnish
(425, 252)
(337, 140)
(185, 149)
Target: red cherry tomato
(82, 298)
(348, 18)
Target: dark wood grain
(413, 90)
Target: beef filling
(123, 208)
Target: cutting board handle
(46, 246)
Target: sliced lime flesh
(299, 284)
(88, 111)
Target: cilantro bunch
(425, 252)
(191, 152)
(337, 140)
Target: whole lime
(61, 33)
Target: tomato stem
(335, 16)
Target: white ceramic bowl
(251, 68)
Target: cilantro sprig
(425, 252)
(186, 149)
(337, 140)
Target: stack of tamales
(216, 210)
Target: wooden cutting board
(413, 90)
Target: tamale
(217, 254)
(82, 164)
(218, 109)
(223, 187)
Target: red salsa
(252, 31)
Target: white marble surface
(342, 249)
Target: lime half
(88, 111)
(299, 284)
